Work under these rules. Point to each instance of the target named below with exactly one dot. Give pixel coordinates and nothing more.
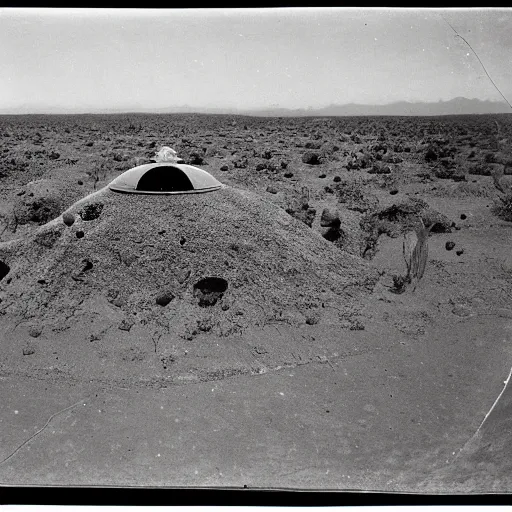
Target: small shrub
(400, 283)
(430, 155)
(503, 207)
(415, 256)
(490, 158)
(311, 158)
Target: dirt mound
(41, 200)
(219, 262)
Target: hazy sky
(249, 58)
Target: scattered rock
(35, 331)
(288, 174)
(88, 265)
(4, 269)
(271, 190)
(463, 216)
(196, 159)
(329, 219)
(224, 168)
(183, 275)
(461, 310)
(460, 252)
(164, 298)
(336, 179)
(449, 246)
(126, 325)
(311, 158)
(312, 319)
(322, 176)
(379, 168)
(79, 234)
(393, 191)
(28, 351)
(119, 302)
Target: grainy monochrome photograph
(256, 248)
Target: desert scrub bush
(503, 206)
(299, 208)
(503, 202)
(464, 189)
(352, 195)
(430, 155)
(415, 252)
(10, 166)
(100, 170)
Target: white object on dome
(167, 154)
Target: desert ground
(314, 366)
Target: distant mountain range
(456, 106)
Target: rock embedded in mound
(331, 223)
(164, 298)
(4, 269)
(91, 211)
(209, 290)
(304, 213)
(68, 219)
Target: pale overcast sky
(89, 59)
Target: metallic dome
(165, 178)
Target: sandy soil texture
(256, 335)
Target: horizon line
(187, 109)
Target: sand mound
(42, 200)
(218, 262)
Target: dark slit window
(164, 179)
